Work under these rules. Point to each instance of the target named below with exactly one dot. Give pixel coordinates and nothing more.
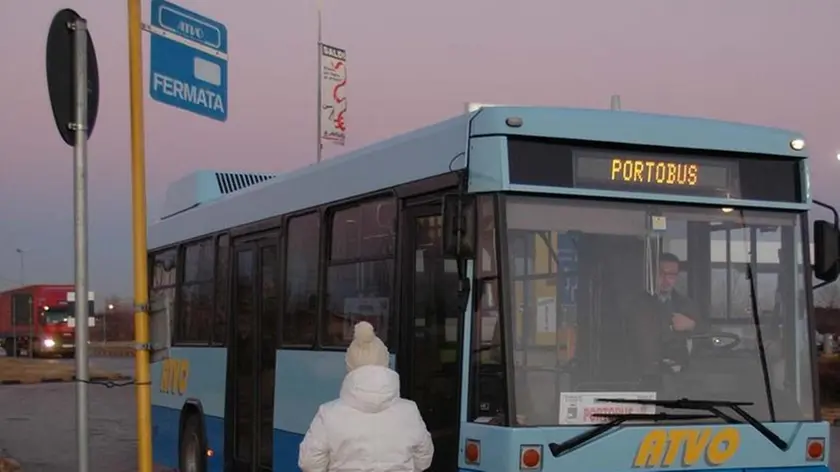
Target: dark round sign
(61, 77)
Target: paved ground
(38, 425)
(120, 365)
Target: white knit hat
(366, 348)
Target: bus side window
(163, 276)
(488, 374)
(360, 271)
(303, 242)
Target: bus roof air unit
(205, 186)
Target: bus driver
(680, 313)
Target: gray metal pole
(30, 345)
(320, 148)
(81, 240)
(30, 313)
(14, 328)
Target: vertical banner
(333, 98)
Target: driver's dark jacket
(651, 328)
(674, 343)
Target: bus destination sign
(601, 169)
(547, 163)
(650, 172)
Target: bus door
(431, 330)
(249, 416)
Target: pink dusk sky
(769, 62)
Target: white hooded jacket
(368, 428)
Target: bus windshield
(641, 300)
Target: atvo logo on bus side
(174, 375)
(663, 447)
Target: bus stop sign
(61, 81)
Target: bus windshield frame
(561, 348)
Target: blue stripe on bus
(303, 381)
(818, 468)
(285, 447)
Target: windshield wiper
(617, 419)
(713, 407)
(759, 339)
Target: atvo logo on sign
(666, 447)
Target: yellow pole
(138, 213)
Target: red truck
(40, 316)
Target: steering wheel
(719, 339)
(487, 347)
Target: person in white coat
(369, 427)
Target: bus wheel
(192, 457)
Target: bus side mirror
(826, 251)
(458, 215)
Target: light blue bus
(510, 258)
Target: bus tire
(193, 444)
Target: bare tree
(828, 296)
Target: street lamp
(108, 311)
(22, 274)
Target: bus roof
(201, 204)
(628, 127)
